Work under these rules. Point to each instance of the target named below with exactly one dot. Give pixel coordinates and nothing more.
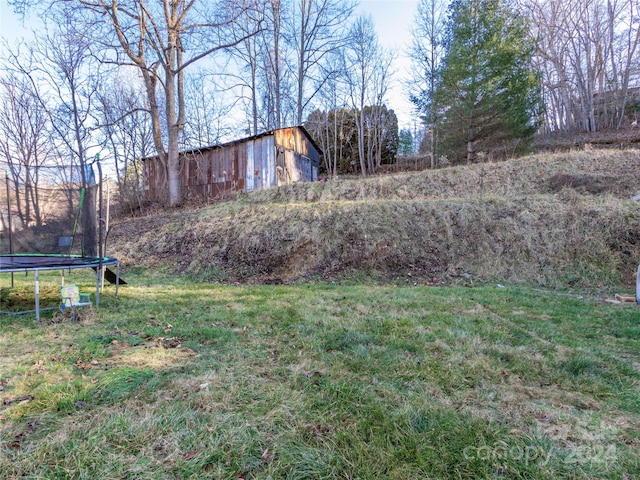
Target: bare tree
(264, 63)
(281, 70)
(625, 48)
(274, 61)
(588, 56)
(61, 67)
(328, 125)
(368, 70)
(588, 24)
(248, 55)
(315, 30)
(426, 53)
(208, 110)
(125, 130)
(161, 39)
(24, 144)
(162, 42)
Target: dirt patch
(585, 184)
(623, 138)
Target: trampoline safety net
(48, 212)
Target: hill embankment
(556, 220)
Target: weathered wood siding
(261, 168)
(155, 179)
(297, 158)
(295, 139)
(274, 158)
(211, 172)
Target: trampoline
(56, 223)
(12, 263)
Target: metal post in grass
(106, 229)
(37, 296)
(638, 285)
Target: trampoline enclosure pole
(99, 272)
(6, 181)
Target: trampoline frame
(37, 262)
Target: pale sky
(11, 26)
(392, 18)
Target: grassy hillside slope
(554, 220)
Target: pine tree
(487, 93)
(405, 142)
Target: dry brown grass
(559, 220)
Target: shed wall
(261, 168)
(280, 157)
(295, 139)
(211, 172)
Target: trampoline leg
(117, 278)
(37, 297)
(638, 285)
(98, 282)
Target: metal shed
(278, 157)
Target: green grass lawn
(178, 379)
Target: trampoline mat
(19, 263)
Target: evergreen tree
(405, 142)
(488, 94)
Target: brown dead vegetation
(559, 220)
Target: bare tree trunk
(427, 52)
(334, 172)
(317, 28)
(276, 7)
(632, 42)
(361, 140)
(367, 82)
(305, 16)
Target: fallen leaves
(19, 437)
(23, 398)
(39, 366)
(171, 342)
(191, 454)
(80, 365)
